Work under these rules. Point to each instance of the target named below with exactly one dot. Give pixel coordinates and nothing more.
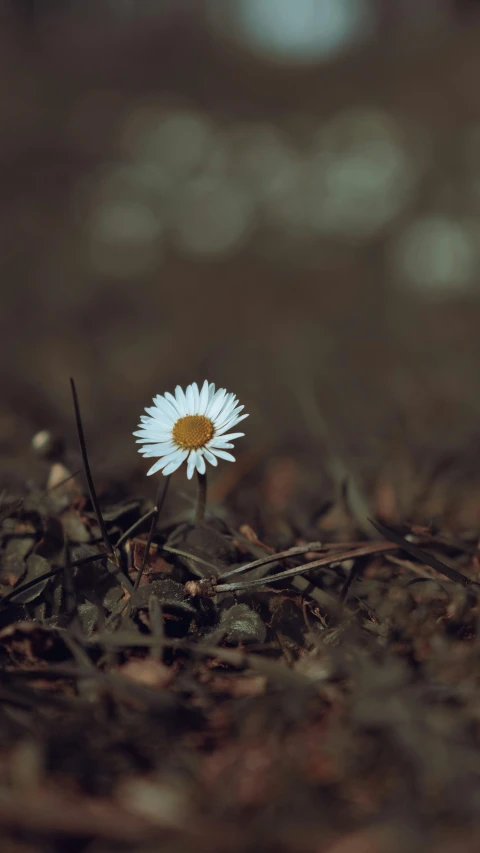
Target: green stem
(201, 499)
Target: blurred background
(282, 196)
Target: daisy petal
(196, 397)
(154, 413)
(164, 461)
(172, 412)
(226, 411)
(223, 454)
(151, 425)
(151, 438)
(192, 459)
(162, 449)
(217, 443)
(201, 467)
(232, 435)
(203, 398)
(230, 424)
(220, 393)
(216, 404)
(221, 421)
(210, 457)
(181, 399)
(155, 468)
(171, 467)
(190, 397)
(171, 399)
(175, 463)
(165, 408)
(154, 426)
(154, 429)
(211, 392)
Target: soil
(310, 684)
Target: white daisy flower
(191, 427)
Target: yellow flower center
(192, 431)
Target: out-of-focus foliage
(284, 201)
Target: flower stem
(201, 499)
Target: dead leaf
(151, 672)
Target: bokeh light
(213, 185)
(296, 32)
(178, 142)
(211, 216)
(361, 175)
(124, 238)
(437, 256)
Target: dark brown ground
(334, 710)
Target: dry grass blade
(9, 510)
(370, 548)
(29, 584)
(70, 600)
(189, 556)
(423, 556)
(348, 582)
(272, 558)
(88, 475)
(135, 527)
(324, 599)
